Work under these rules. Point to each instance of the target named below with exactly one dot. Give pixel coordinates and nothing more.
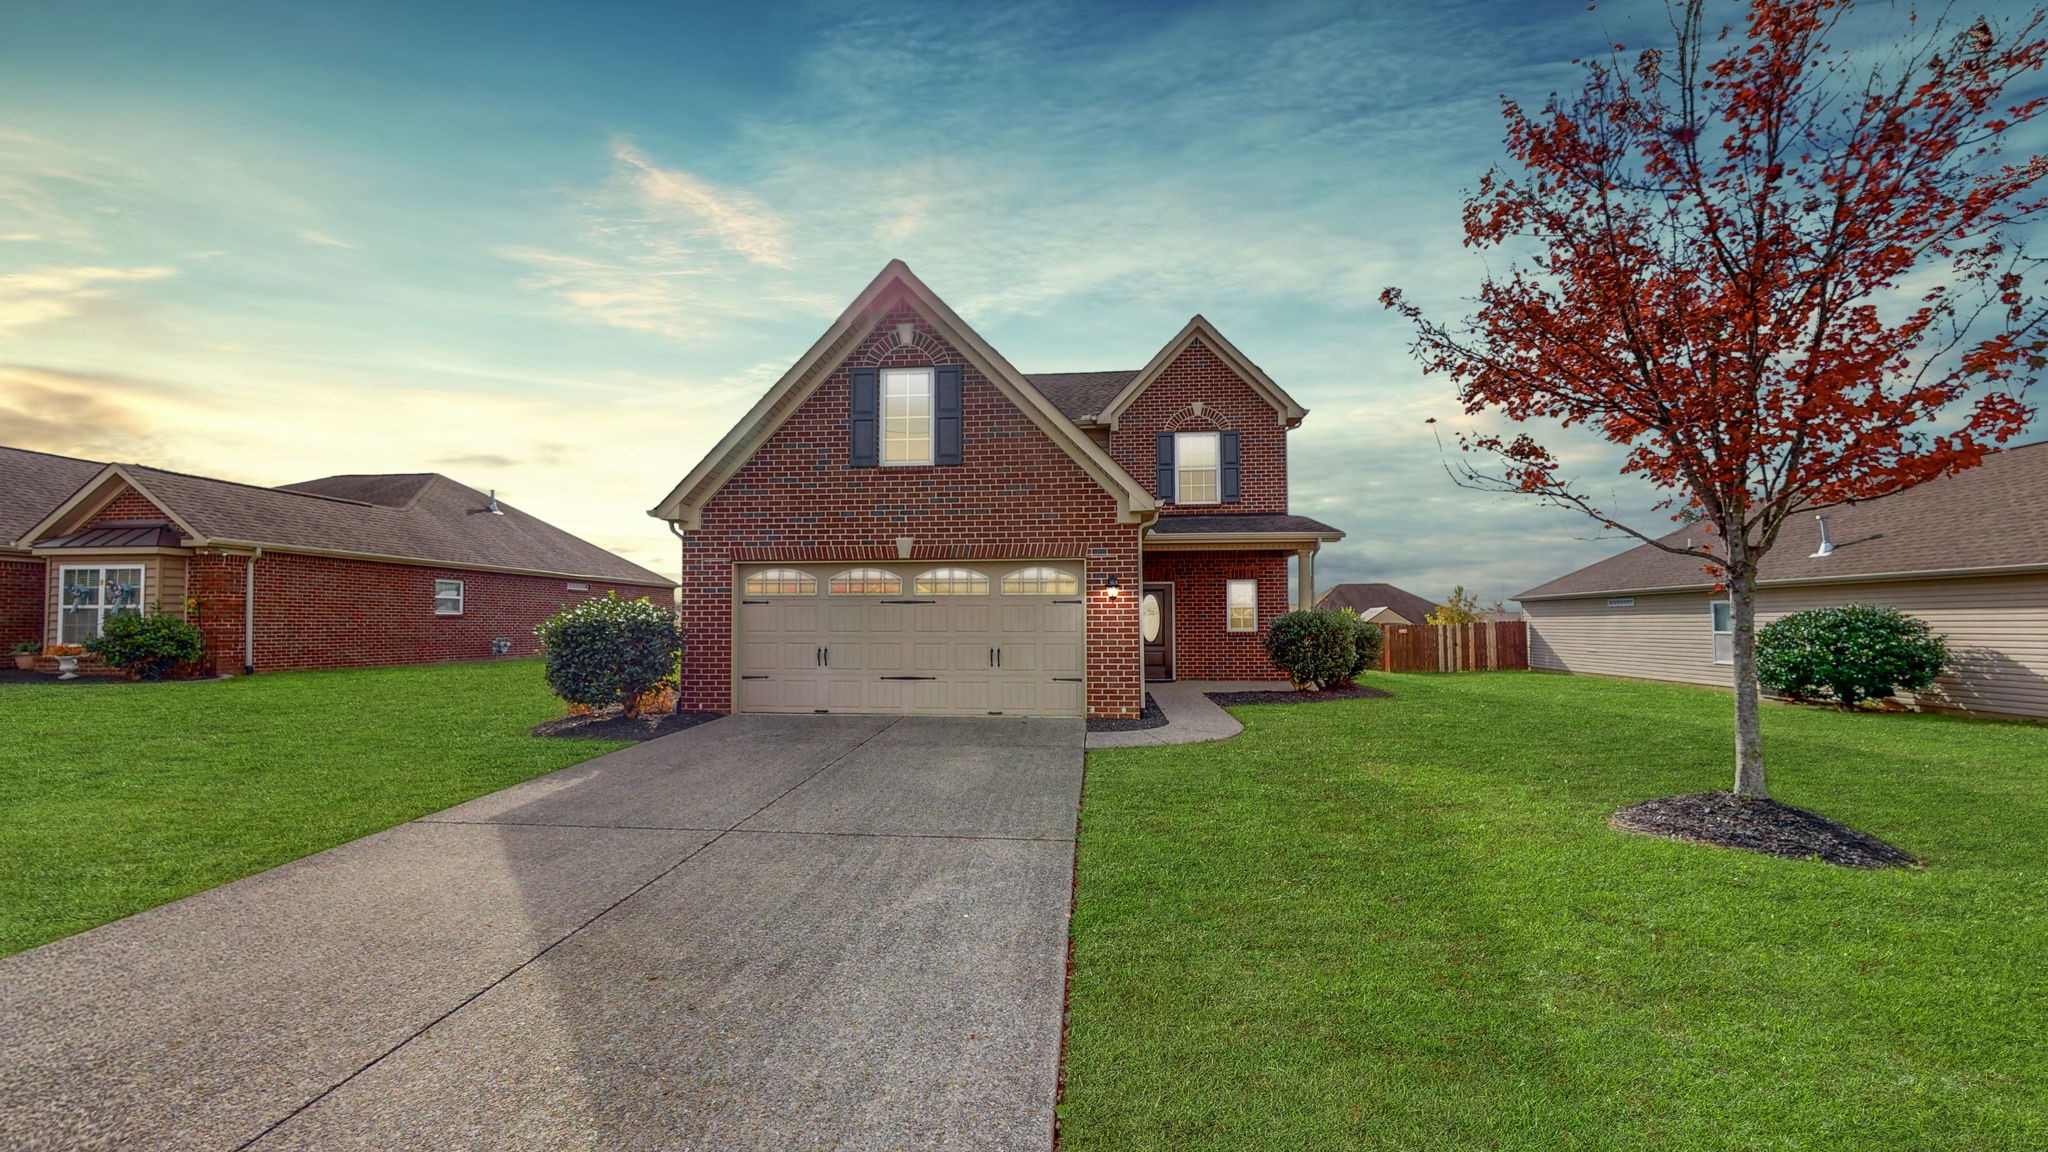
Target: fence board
(1455, 647)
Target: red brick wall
(1015, 495)
(326, 612)
(128, 505)
(1167, 405)
(21, 601)
(1203, 648)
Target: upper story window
(1723, 619)
(1198, 465)
(93, 595)
(866, 582)
(782, 582)
(906, 416)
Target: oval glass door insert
(1148, 617)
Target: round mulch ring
(1295, 696)
(614, 726)
(1773, 829)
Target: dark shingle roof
(388, 491)
(1366, 597)
(1993, 516)
(1081, 394)
(443, 523)
(1259, 523)
(32, 483)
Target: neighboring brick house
(31, 483)
(906, 523)
(346, 571)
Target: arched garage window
(782, 582)
(950, 582)
(1041, 582)
(866, 582)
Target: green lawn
(1405, 924)
(115, 798)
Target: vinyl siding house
(1967, 553)
(344, 571)
(905, 523)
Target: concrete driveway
(765, 932)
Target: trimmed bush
(149, 646)
(1317, 649)
(1369, 640)
(609, 652)
(1852, 653)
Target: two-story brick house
(906, 523)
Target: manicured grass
(115, 798)
(1405, 924)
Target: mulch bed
(1151, 717)
(1773, 829)
(1291, 696)
(618, 726)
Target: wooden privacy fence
(1455, 647)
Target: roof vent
(1826, 546)
(491, 504)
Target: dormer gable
(1286, 412)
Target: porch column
(1305, 578)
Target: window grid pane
(866, 582)
(1041, 582)
(907, 416)
(1197, 467)
(950, 582)
(1242, 606)
(782, 582)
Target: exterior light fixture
(1113, 587)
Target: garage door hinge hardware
(1066, 679)
(907, 677)
(753, 601)
(1066, 601)
(910, 601)
(753, 677)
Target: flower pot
(67, 667)
(25, 661)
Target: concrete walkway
(1191, 717)
(798, 932)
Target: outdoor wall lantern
(1113, 587)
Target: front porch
(1213, 585)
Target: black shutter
(863, 409)
(946, 414)
(1162, 486)
(1227, 448)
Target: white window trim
(931, 416)
(1180, 468)
(460, 599)
(1717, 633)
(99, 610)
(1229, 588)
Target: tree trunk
(1749, 738)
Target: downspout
(249, 617)
(676, 530)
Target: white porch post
(1305, 578)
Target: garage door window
(1041, 582)
(782, 582)
(950, 582)
(866, 582)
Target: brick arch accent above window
(882, 347)
(1196, 417)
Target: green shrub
(1317, 649)
(1369, 640)
(149, 646)
(608, 651)
(1852, 653)
(27, 648)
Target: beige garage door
(954, 638)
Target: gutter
(658, 581)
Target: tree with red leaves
(1781, 277)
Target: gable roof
(443, 523)
(684, 503)
(1080, 395)
(1199, 328)
(1991, 518)
(1362, 598)
(32, 483)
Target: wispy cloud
(315, 236)
(46, 294)
(675, 198)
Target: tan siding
(1997, 631)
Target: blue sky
(557, 249)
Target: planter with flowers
(25, 654)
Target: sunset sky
(556, 250)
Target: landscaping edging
(1726, 820)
